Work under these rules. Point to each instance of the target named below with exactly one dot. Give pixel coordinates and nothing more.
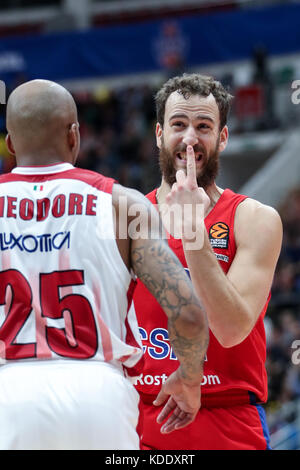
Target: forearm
(228, 314)
(189, 342)
(165, 278)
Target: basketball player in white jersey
(68, 344)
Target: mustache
(209, 170)
(181, 148)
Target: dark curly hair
(194, 84)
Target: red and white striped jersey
(65, 291)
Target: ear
(223, 138)
(74, 140)
(158, 133)
(72, 136)
(9, 145)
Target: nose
(190, 137)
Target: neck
(40, 160)
(213, 192)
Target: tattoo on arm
(161, 272)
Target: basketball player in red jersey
(232, 273)
(68, 345)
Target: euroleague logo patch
(219, 235)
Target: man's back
(65, 295)
(60, 257)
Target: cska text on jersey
(41, 209)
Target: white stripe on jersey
(42, 170)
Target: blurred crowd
(118, 139)
(283, 317)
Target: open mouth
(182, 156)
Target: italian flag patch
(38, 187)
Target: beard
(208, 172)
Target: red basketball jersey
(231, 375)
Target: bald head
(41, 117)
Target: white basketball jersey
(64, 289)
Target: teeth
(183, 157)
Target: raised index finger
(191, 167)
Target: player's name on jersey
(31, 243)
(41, 209)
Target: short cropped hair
(194, 84)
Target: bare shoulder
(257, 221)
(255, 211)
(135, 214)
(122, 194)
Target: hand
(184, 403)
(188, 204)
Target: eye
(178, 124)
(203, 125)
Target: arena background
(112, 55)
